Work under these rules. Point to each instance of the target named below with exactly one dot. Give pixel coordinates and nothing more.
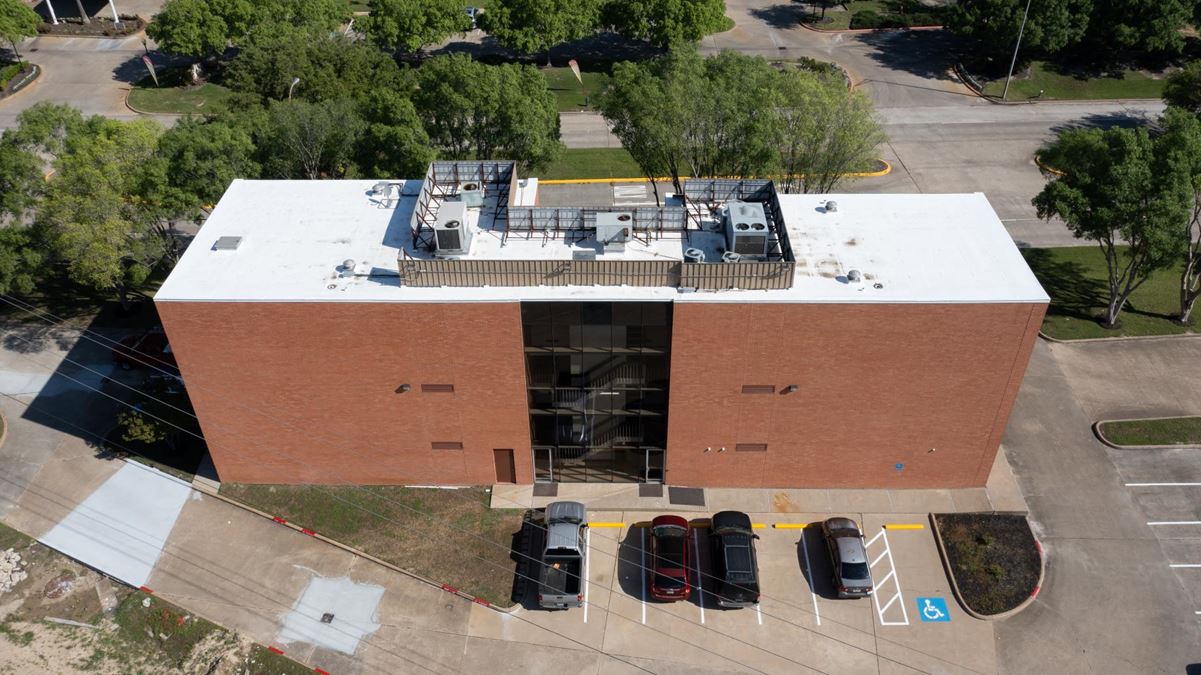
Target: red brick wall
(877, 385)
(305, 392)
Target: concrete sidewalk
(1001, 494)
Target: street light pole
(295, 81)
(1017, 44)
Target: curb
(4, 432)
(861, 31)
(667, 179)
(24, 83)
(354, 551)
(946, 565)
(1119, 338)
(1051, 170)
(1101, 436)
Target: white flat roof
(295, 235)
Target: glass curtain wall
(597, 375)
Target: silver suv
(848, 557)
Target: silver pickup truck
(561, 574)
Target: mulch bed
(994, 558)
(99, 27)
(18, 80)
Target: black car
(734, 563)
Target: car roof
(850, 549)
(669, 519)
(841, 524)
(563, 535)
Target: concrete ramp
(120, 528)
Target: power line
(275, 418)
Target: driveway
(1134, 378)
(1110, 602)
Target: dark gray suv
(848, 557)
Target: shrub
(872, 19)
(8, 72)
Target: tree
(26, 151)
(20, 257)
(1183, 88)
(824, 131)
(206, 27)
(409, 25)
(329, 67)
(635, 107)
(311, 140)
(1139, 25)
(160, 413)
(1181, 143)
(197, 160)
(470, 109)
(530, 26)
(96, 215)
(666, 22)
(394, 143)
(1115, 191)
(17, 22)
(994, 24)
(191, 28)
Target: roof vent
(730, 256)
(347, 267)
(831, 206)
(381, 188)
(227, 243)
(854, 276)
(694, 255)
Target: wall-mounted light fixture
(708, 449)
(722, 450)
(403, 388)
(791, 389)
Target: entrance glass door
(544, 465)
(654, 466)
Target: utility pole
(1025, 15)
(295, 81)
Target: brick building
(449, 331)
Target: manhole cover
(59, 586)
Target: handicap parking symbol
(933, 609)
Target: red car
(669, 558)
(149, 350)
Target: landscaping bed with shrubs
(96, 27)
(12, 75)
(993, 557)
(871, 14)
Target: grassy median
(1075, 278)
(203, 98)
(449, 536)
(1058, 83)
(1165, 431)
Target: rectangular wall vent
(751, 447)
(437, 388)
(758, 388)
(446, 445)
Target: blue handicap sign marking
(933, 609)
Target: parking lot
(799, 624)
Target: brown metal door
(506, 471)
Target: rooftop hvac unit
(452, 236)
(747, 233)
(613, 230)
(694, 255)
(472, 194)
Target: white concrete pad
(120, 528)
(352, 605)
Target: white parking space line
(700, 582)
(1185, 565)
(1174, 522)
(809, 571)
(630, 195)
(759, 612)
(643, 531)
(1163, 484)
(588, 550)
(891, 576)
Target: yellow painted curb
(757, 526)
(904, 526)
(790, 526)
(666, 179)
(592, 524)
(1054, 172)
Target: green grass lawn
(569, 93)
(206, 98)
(1169, 431)
(840, 18)
(592, 163)
(1062, 85)
(405, 536)
(1075, 278)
